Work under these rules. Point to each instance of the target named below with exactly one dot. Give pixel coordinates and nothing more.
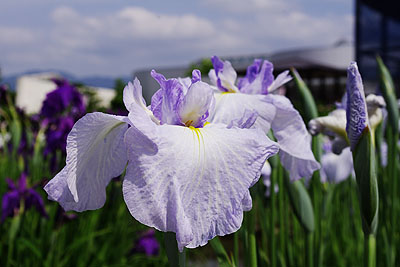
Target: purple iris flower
(183, 175)
(61, 109)
(56, 134)
(147, 243)
(20, 192)
(64, 97)
(254, 92)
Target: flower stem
(273, 214)
(175, 258)
(309, 249)
(369, 250)
(281, 215)
(236, 248)
(252, 245)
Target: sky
(118, 37)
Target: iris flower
(183, 175)
(19, 192)
(254, 92)
(147, 244)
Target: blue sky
(117, 37)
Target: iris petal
(274, 112)
(294, 140)
(195, 183)
(95, 154)
(230, 107)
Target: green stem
(281, 215)
(309, 249)
(273, 214)
(252, 245)
(236, 248)
(392, 171)
(369, 250)
(175, 258)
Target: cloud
(276, 24)
(129, 38)
(146, 37)
(15, 36)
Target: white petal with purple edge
(287, 125)
(193, 182)
(294, 140)
(96, 153)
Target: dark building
(378, 33)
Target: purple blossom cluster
(61, 109)
(19, 193)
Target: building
(378, 33)
(31, 91)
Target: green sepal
(365, 169)
(301, 203)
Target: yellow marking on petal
(229, 92)
(197, 131)
(206, 123)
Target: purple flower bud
(356, 110)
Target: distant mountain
(96, 81)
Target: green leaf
(220, 252)
(310, 108)
(389, 94)
(301, 203)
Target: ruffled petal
(57, 190)
(133, 95)
(195, 105)
(258, 78)
(277, 112)
(172, 96)
(374, 105)
(95, 154)
(280, 80)
(231, 107)
(193, 182)
(333, 124)
(336, 168)
(223, 75)
(294, 140)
